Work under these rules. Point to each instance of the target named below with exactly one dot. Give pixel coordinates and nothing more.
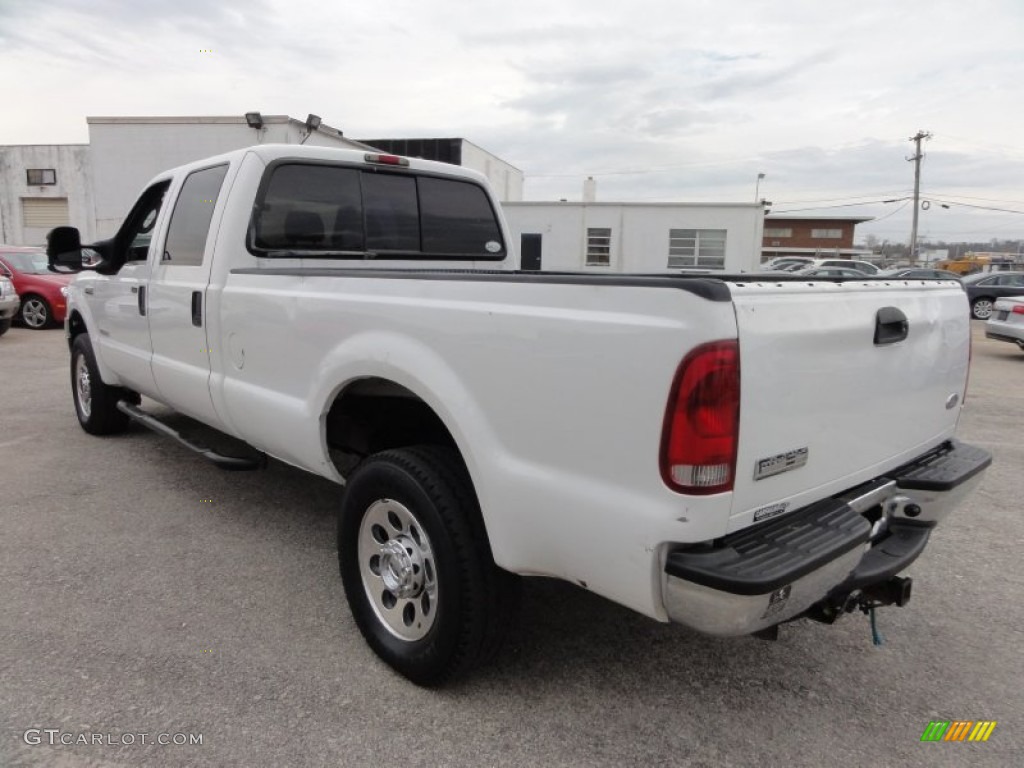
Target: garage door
(44, 212)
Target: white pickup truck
(728, 453)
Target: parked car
(920, 273)
(43, 293)
(831, 272)
(787, 262)
(983, 290)
(1007, 321)
(861, 266)
(9, 304)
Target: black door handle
(197, 309)
(142, 299)
(891, 325)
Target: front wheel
(416, 565)
(95, 402)
(5, 326)
(981, 309)
(35, 312)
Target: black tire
(981, 308)
(35, 312)
(427, 491)
(5, 326)
(95, 402)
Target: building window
(778, 232)
(696, 248)
(599, 246)
(41, 176)
(827, 234)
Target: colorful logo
(958, 730)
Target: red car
(43, 293)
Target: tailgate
(831, 396)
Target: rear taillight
(1018, 309)
(699, 437)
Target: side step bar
(222, 461)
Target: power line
(640, 171)
(979, 207)
(844, 205)
(891, 213)
(972, 197)
(851, 197)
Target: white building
(92, 186)
(44, 186)
(636, 237)
(128, 151)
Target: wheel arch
(372, 414)
(75, 324)
(391, 391)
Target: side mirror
(64, 249)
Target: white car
(1006, 323)
(9, 304)
(861, 266)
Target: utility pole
(916, 159)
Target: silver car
(9, 304)
(1006, 323)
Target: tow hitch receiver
(895, 591)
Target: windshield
(32, 263)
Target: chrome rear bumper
(776, 571)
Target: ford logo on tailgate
(783, 462)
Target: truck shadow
(565, 635)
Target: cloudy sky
(657, 99)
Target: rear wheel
(5, 326)
(981, 308)
(35, 312)
(95, 402)
(417, 568)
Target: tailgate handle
(890, 326)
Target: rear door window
(310, 207)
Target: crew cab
(704, 450)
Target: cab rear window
(340, 211)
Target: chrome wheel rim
(396, 564)
(83, 387)
(982, 309)
(34, 313)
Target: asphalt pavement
(147, 596)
